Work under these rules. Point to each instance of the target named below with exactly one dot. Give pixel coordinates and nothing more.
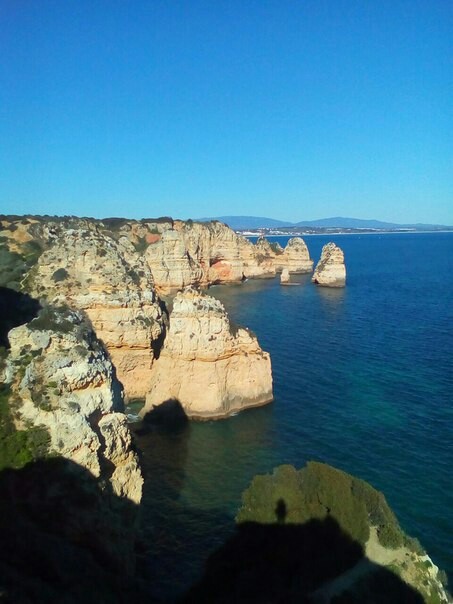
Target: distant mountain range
(243, 223)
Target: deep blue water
(363, 380)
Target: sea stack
(330, 270)
(284, 277)
(296, 257)
(211, 368)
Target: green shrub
(141, 245)
(32, 250)
(317, 491)
(51, 319)
(18, 447)
(12, 268)
(60, 275)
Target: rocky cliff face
(205, 364)
(107, 279)
(202, 254)
(111, 270)
(330, 270)
(61, 379)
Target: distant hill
(349, 223)
(260, 222)
(249, 222)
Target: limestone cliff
(60, 378)
(330, 270)
(208, 366)
(112, 268)
(105, 277)
(172, 253)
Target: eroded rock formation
(211, 368)
(284, 277)
(330, 270)
(112, 283)
(112, 269)
(295, 257)
(61, 379)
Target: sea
(363, 380)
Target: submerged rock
(208, 366)
(330, 270)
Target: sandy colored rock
(113, 284)
(284, 277)
(210, 368)
(330, 270)
(62, 378)
(112, 269)
(295, 257)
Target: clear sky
(292, 109)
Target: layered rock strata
(330, 270)
(70, 480)
(208, 366)
(295, 257)
(62, 380)
(112, 270)
(113, 285)
(178, 253)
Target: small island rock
(211, 368)
(330, 270)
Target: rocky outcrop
(330, 270)
(177, 253)
(204, 253)
(106, 278)
(318, 535)
(284, 277)
(61, 379)
(295, 257)
(112, 269)
(211, 368)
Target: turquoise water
(363, 380)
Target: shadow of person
(314, 562)
(65, 537)
(280, 511)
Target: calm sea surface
(363, 380)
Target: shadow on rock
(15, 309)
(169, 415)
(162, 439)
(65, 537)
(315, 562)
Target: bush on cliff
(18, 447)
(319, 491)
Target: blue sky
(289, 109)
